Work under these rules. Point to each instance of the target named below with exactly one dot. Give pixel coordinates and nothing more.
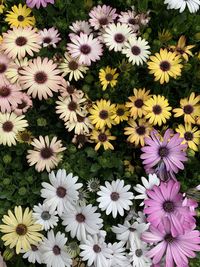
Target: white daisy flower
(147, 184)
(44, 216)
(95, 251)
(136, 50)
(79, 26)
(34, 254)
(115, 198)
(137, 255)
(119, 257)
(82, 125)
(116, 35)
(62, 191)
(192, 5)
(53, 250)
(81, 221)
(128, 232)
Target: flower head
(190, 134)
(192, 5)
(181, 48)
(49, 37)
(121, 113)
(102, 138)
(108, 76)
(39, 3)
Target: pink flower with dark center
(49, 37)
(24, 104)
(38, 3)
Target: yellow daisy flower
(1, 6)
(102, 138)
(107, 77)
(137, 131)
(164, 36)
(191, 135)
(20, 17)
(121, 113)
(165, 64)
(136, 103)
(189, 108)
(101, 113)
(20, 229)
(24, 137)
(157, 108)
(181, 48)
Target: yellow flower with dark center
(136, 103)
(101, 113)
(164, 36)
(157, 110)
(102, 138)
(24, 137)
(181, 48)
(20, 230)
(190, 134)
(2, 6)
(189, 108)
(108, 76)
(121, 113)
(20, 17)
(137, 131)
(164, 65)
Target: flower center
(163, 152)
(103, 21)
(188, 136)
(73, 65)
(114, 196)
(20, 18)
(188, 109)
(20, 41)
(168, 206)
(141, 130)
(7, 126)
(3, 67)
(25, 137)
(138, 252)
(81, 138)
(119, 38)
(22, 105)
(135, 50)
(47, 40)
(138, 103)
(70, 89)
(34, 248)
(120, 112)
(80, 218)
(80, 118)
(40, 77)
(46, 152)
(102, 137)
(103, 114)
(72, 106)
(61, 192)
(165, 65)
(132, 21)
(109, 77)
(85, 49)
(169, 238)
(21, 229)
(96, 248)
(5, 91)
(181, 51)
(56, 250)
(157, 109)
(45, 215)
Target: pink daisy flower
(10, 96)
(80, 26)
(24, 105)
(164, 201)
(130, 18)
(49, 37)
(4, 62)
(38, 3)
(86, 48)
(176, 249)
(101, 16)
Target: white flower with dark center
(130, 18)
(147, 184)
(81, 221)
(129, 233)
(119, 257)
(95, 251)
(53, 250)
(62, 192)
(80, 26)
(192, 5)
(115, 198)
(34, 254)
(116, 35)
(136, 50)
(137, 254)
(49, 37)
(45, 217)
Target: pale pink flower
(80, 26)
(49, 37)
(39, 3)
(24, 104)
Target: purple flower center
(3, 67)
(138, 252)
(120, 112)
(132, 21)
(157, 109)
(5, 91)
(168, 206)
(188, 136)
(61, 192)
(22, 105)
(169, 238)
(138, 103)
(73, 65)
(135, 50)
(7, 126)
(20, 41)
(40, 77)
(72, 106)
(119, 38)
(163, 152)
(46, 152)
(102, 137)
(80, 218)
(114, 196)
(70, 89)
(47, 40)
(188, 109)
(141, 130)
(165, 65)
(96, 248)
(85, 49)
(34, 248)
(103, 114)
(103, 21)
(56, 250)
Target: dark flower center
(119, 38)
(188, 136)
(80, 118)
(138, 252)
(96, 248)
(80, 218)
(70, 89)
(85, 49)
(157, 109)
(4, 91)
(21, 229)
(135, 50)
(46, 152)
(20, 18)
(61, 192)
(165, 65)
(169, 238)
(81, 138)
(72, 106)
(25, 137)
(181, 51)
(109, 77)
(163, 152)
(7, 126)
(103, 21)
(45, 215)
(120, 112)
(168, 206)
(141, 130)
(20, 41)
(114, 196)
(3, 67)
(22, 105)
(34, 248)
(188, 109)
(132, 21)
(56, 250)
(47, 40)
(103, 114)
(73, 65)
(102, 137)
(138, 103)
(40, 77)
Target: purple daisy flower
(164, 156)
(164, 201)
(38, 3)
